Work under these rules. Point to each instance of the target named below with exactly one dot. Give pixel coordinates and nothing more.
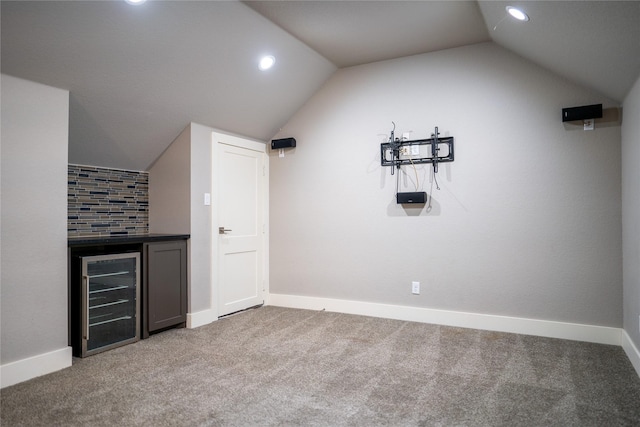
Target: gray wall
(169, 184)
(527, 220)
(178, 180)
(201, 241)
(34, 219)
(631, 212)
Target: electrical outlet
(588, 124)
(410, 150)
(415, 288)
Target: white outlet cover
(589, 124)
(415, 288)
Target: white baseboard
(32, 367)
(201, 318)
(518, 325)
(632, 351)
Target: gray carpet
(275, 366)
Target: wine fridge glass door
(110, 298)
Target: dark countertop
(124, 239)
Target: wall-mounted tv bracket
(434, 150)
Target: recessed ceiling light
(135, 2)
(517, 13)
(266, 62)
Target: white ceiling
(594, 43)
(138, 75)
(359, 32)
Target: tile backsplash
(107, 202)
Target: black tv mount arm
(434, 150)
(393, 146)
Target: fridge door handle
(86, 307)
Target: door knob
(222, 230)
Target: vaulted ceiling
(137, 75)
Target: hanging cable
(416, 172)
(430, 195)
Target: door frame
(241, 142)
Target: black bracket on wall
(433, 150)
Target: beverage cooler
(110, 303)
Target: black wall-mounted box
(582, 113)
(283, 143)
(419, 197)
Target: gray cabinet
(160, 288)
(164, 285)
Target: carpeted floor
(275, 366)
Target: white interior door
(241, 232)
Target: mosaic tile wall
(107, 202)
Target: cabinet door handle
(222, 230)
(86, 296)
